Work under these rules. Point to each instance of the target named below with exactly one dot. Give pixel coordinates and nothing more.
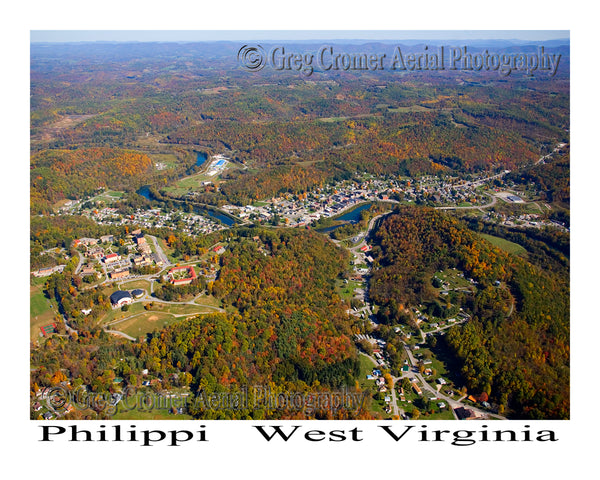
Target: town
(478, 193)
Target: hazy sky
(215, 35)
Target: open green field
(40, 312)
(145, 323)
(139, 321)
(132, 285)
(505, 245)
(346, 290)
(409, 109)
(115, 314)
(180, 309)
(108, 196)
(193, 183)
(169, 159)
(154, 414)
(208, 300)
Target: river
(353, 216)
(201, 157)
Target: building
(144, 248)
(175, 272)
(88, 270)
(87, 241)
(46, 271)
(120, 298)
(141, 261)
(137, 293)
(464, 413)
(111, 258)
(107, 239)
(119, 274)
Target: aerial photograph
(299, 225)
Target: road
(159, 251)
(452, 403)
(474, 207)
(414, 365)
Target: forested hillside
(72, 174)
(515, 346)
(285, 328)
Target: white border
(236, 449)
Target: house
(441, 381)
(416, 388)
(219, 249)
(464, 413)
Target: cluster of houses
(190, 223)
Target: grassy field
(117, 314)
(154, 414)
(132, 285)
(346, 290)
(412, 108)
(40, 312)
(169, 159)
(208, 300)
(139, 321)
(192, 183)
(180, 309)
(505, 245)
(145, 323)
